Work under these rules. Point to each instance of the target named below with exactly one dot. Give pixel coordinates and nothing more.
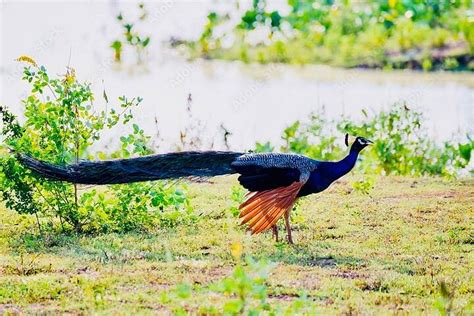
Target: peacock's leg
(275, 232)
(288, 227)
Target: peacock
(274, 180)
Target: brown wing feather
(253, 218)
(250, 209)
(263, 209)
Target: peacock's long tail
(190, 164)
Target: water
(253, 102)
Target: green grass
(385, 253)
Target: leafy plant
(60, 126)
(245, 285)
(131, 38)
(206, 35)
(264, 147)
(364, 186)
(416, 34)
(258, 15)
(237, 196)
(244, 292)
(311, 138)
(401, 144)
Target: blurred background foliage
(428, 35)
(131, 38)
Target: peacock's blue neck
(328, 172)
(342, 167)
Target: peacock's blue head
(358, 144)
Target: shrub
(60, 126)
(401, 144)
(361, 33)
(403, 147)
(131, 38)
(311, 138)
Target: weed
(237, 196)
(27, 264)
(131, 37)
(60, 127)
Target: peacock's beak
(369, 142)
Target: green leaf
(136, 128)
(117, 45)
(105, 96)
(465, 151)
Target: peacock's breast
(316, 183)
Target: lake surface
(253, 102)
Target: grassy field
(406, 248)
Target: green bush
(401, 143)
(388, 34)
(311, 139)
(131, 37)
(60, 124)
(403, 147)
